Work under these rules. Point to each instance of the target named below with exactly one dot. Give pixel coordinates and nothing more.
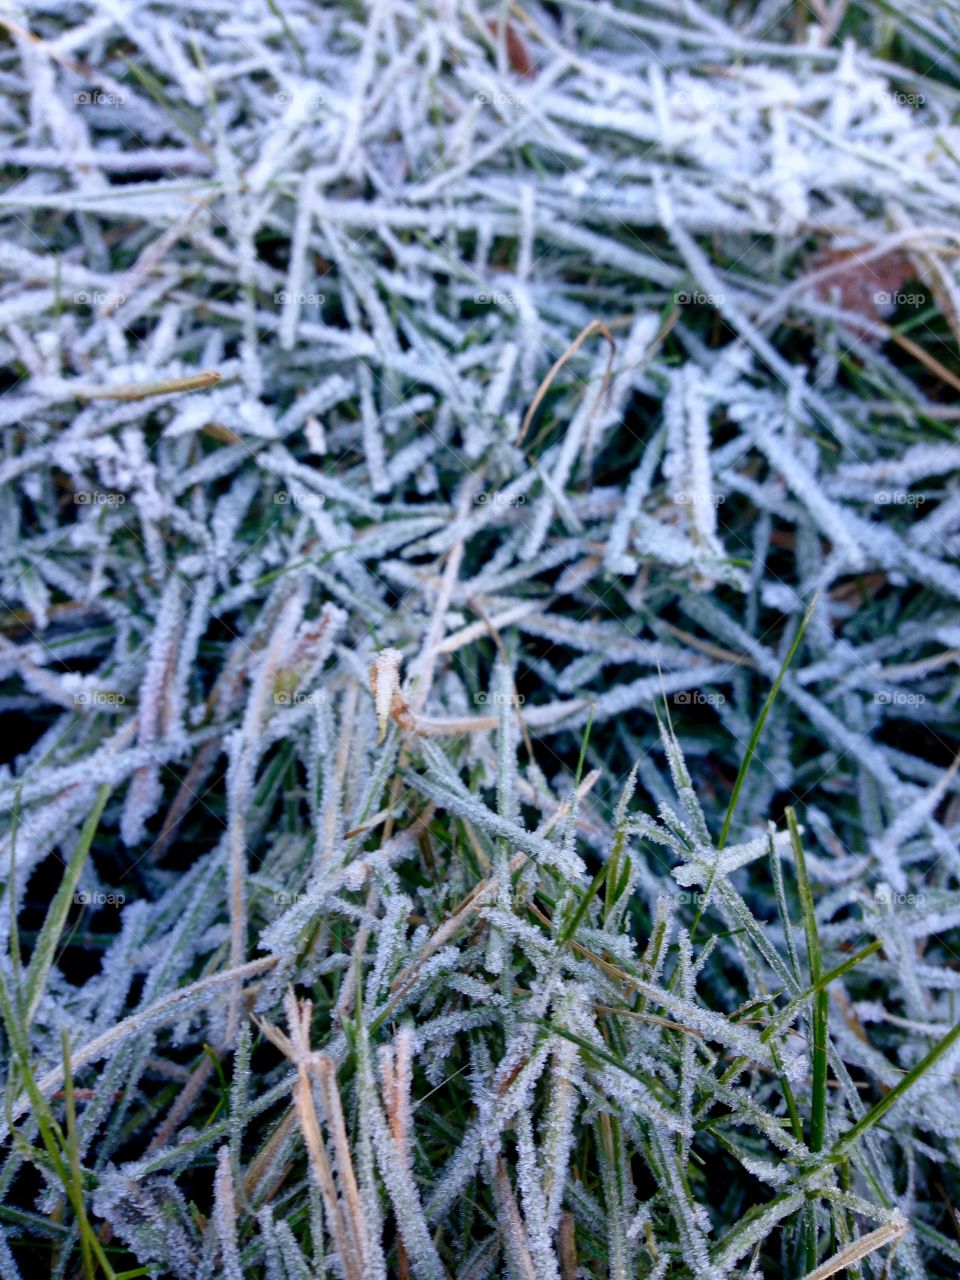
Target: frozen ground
(571, 368)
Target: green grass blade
(789, 1011)
(288, 31)
(583, 746)
(16, 958)
(571, 819)
(818, 1100)
(49, 1129)
(602, 1055)
(748, 759)
(573, 924)
(880, 1109)
(821, 1009)
(152, 85)
(73, 1151)
(761, 721)
(788, 1096)
(806, 900)
(61, 1149)
(776, 871)
(43, 952)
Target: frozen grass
(419, 420)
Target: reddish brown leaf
(518, 55)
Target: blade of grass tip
(144, 390)
(572, 811)
(748, 758)
(880, 1109)
(821, 1008)
(594, 326)
(214, 1061)
(584, 745)
(761, 721)
(43, 952)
